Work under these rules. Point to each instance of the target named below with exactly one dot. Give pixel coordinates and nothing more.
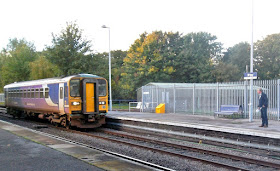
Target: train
(73, 101)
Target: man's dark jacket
(263, 101)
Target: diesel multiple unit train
(78, 100)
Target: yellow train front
(78, 100)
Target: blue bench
(229, 110)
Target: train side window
(46, 92)
(21, 93)
(37, 93)
(61, 93)
(24, 93)
(28, 93)
(16, 93)
(41, 93)
(32, 93)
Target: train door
(61, 98)
(90, 96)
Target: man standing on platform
(263, 103)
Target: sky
(229, 20)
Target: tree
(268, 57)
(70, 51)
(42, 68)
(238, 55)
(149, 59)
(196, 60)
(226, 72)
(101, 69)
(17, 55)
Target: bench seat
(229, 110)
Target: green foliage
(155, 57)
(238, 55)
(267, 54)
(101, 68)
(226, 72)
(15, 61)
(150, 59)
(42, 68)
(169, 57)
(196, 60)
(70, 51)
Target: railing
(206, 98)
(2, 99)
(123, 105)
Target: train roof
(48, 80)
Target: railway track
(195, 149)
(245, 146)
(140, 162)
(164, 148)
(205, 161)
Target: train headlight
(102, 103)
(75, 103)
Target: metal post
(278, 98)
(152, 97)
(193, 98)
(157, 95)
(110, 82)
(217, 102)
(251, 69)
(174, 95)
(246, 94)
(245, 98)
(142, 99)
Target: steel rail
(145, 163)
(218, 164)
(195, 149)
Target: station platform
(236, 126)
(25, 149)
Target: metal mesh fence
(205, 98)
(2, 100)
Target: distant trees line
(154, 57)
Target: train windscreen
(75, 88)
(102, 87)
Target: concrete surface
(25, 149)
(17, 153)
(241, 126)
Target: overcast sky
(229, 20)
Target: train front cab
(88, 102)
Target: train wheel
(63, 123)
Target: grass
(123, 106)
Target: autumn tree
(149, 59)
(70, 51)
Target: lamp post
(110, 85)
(251, 68)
